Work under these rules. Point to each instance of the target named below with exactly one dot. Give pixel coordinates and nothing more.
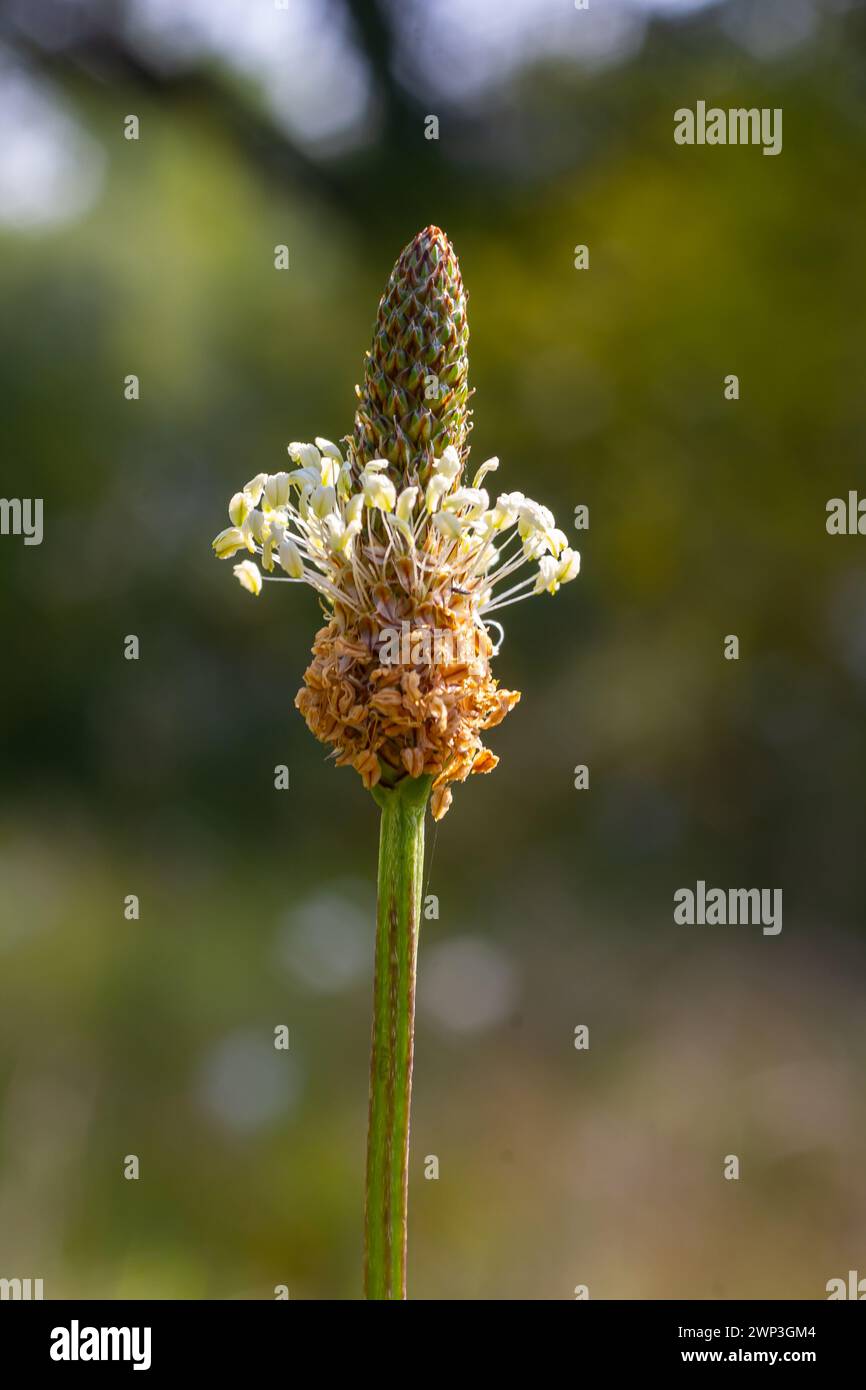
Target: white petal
(249, 577)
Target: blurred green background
(305, 126)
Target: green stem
(401, 863)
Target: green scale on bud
(414, 399)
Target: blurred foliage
(601, 387)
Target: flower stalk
(401, 865)
(395, 536)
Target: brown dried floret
(396, 720)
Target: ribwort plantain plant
(409, 563)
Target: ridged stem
(401, 864)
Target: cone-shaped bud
(414, 399)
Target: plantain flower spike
(408, 553)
